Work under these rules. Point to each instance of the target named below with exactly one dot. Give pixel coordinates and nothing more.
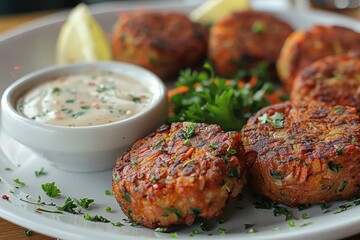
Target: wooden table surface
(9, 231)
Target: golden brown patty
(245, 38)
(163, 42)
(312, 157)
(334, 80)
(302, 48)
(179, 172)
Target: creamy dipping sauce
(85, 99)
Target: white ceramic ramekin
(89, 148)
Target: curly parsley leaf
(69, 206)
(216, 100)
(21, 183)
(276, 120)
(96, 218)
(51, 189)
(84, 202)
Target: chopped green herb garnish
(85, 107)
(193, 232)
(187, 142)
(28, 232)
(215, 100)
(107, 192)
(195, 211)
(278, 211)
(264, 203)
(175, 211)
(68, 206)
(189, 132)
(276, 174)
(56, 90)
(134, 224)
(304, 216)
(22, 184)
(41, 172)
(8, 169)
(213, 146)
(96, 218)
(276, 120)
(173, 235)
(161, 229)
(51, 189)
(159, 142)
(222, 230)
(340, 110)
(204, 226)
(70, 101)
(78, 114)
(251, 230)
(231, 151)
(225, 158)
(117, 224)
(136, 100)
(304, 206)
(84, 202)
(305, 224)
(334, 167)
(291, 223)
(108, 209)
(258, 27)
(221, 221)
(353, 140)
(247, 226)
(49, 211)
(343, 185)
(340, 151)
(275, 229)
(127, 197)
(232, 172)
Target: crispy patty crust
(163, 42)
(334, 80)
(311, 156)
(179, 172)
(245, 38)
(302, 48)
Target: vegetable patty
(304, 153)
(163, 42)
(244, 39)
(302, 48)
(180, 172)
(334, 80)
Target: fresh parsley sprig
(216, 100)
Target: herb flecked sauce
(85, 99)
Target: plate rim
(16, 214)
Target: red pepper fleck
(17, 67)
(81, 102)
(353, 110)
(37, 211)
(6, 197)
(350, 147)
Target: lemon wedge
(81, 39)
(212, 10)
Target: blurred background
(22, 6)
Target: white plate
(32, 46)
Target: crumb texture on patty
(302, 48)
(333, 79)
(163, 42)
(312, 157)
(244, 39)
(180, 172)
